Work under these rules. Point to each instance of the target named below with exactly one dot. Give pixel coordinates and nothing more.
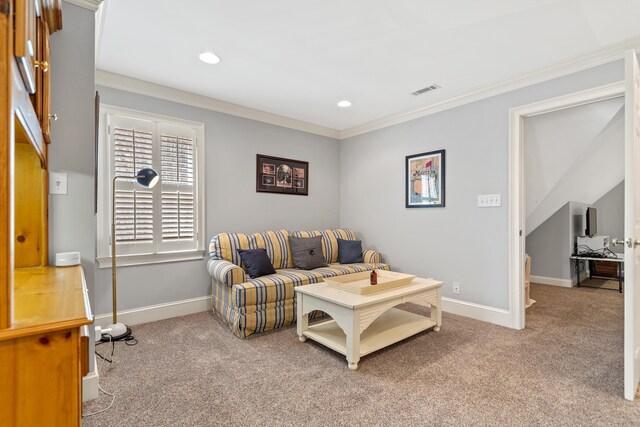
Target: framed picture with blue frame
(425, 180)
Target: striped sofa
(249, 305)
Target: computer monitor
(592, 222)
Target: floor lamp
(147, 178)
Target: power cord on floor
(113, 348)
(113, 399)
(130, 340)
(104, 359)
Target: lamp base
(119, 331)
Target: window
(163, 223)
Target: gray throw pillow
(307, 252)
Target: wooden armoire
(43, 309)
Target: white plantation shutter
(132, 151)
(134, 216)
(177, 182)
(158, 220)
(178, 207)
(177, 215)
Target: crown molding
(578, 63)
(92, 5)
(129, 84)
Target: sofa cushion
(329, 240)
(276, 242)
(279, 286)
(272, 288)
(306, 252)
(225, 246)
(349, 251)
(257, 262)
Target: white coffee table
(362, 324)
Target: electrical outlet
(456, 288)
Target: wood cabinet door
(25, 41)
(43, 383)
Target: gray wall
(611, 215)
(460, 242)
(553, 241)
(71, 218)
(232, 204)
(549, 246)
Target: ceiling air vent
(425, 89)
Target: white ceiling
(298, 58)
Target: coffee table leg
(302, 321)
(436, 313)
(353, 341)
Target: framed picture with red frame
(425, 175)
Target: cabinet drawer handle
(43, 64)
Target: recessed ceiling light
(209, 57)
(345, 103)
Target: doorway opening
(574, 197)
(517, 212)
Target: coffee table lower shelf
(391, 327)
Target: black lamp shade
(147, 177)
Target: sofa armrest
(226, 272)
(372, 257)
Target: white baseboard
(485, 313)
(196, 305)
(90, 383)
(152, 313)
(565, 283)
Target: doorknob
(615, 242)
(632, 242)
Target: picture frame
(425, 180)
(282, 176)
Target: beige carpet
(564, 369)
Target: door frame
(516, 182)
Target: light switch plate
(57, 183)
(489, 200)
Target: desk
(579, 258)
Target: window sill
(129, 260)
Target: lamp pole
(113, 248)
(147, 178)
